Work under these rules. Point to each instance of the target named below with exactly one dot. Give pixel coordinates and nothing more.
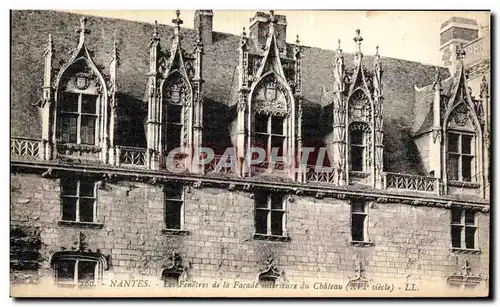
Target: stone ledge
(362, 243)
(175, 232)
(79, 224)
(465, 251)
(265, 237)
(464, 184)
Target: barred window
(463, 229)
(358, 221)
(78, 198)
(270, 213)
(174, 206)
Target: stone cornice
(110, 173)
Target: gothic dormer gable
(271, 60)
(360, 78)
(81, 69)
(461, 106)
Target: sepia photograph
(250, 153)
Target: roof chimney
(203, 21)
(455, 32)
(259, 28)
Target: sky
(409, 35)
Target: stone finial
(244, 33)
(297, 41)
(376, 51)
(177, 21)
(83, 28)
(460, 52)
(466, 269)
(339, 47)
(358, 39)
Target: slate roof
(30, 30)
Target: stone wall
(407, 240)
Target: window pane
(69, 102)
(356, 137)
(277, 201)
(69, 186)
(86, 271)
(88, 130)
(277, 142)
(173, 191)
(261, 221)
(173, 214)
(69, 209)
(357, 158)
(277, 223)
(466, 168)
(69, 123)
(456, 216)
(453, 142)
(87, 188)
(358, 206)
(466, 144)
(89, 103)
(469, 218)
(358, 227)
(87, 210)
(455, 236)
(260, 141)
(260, 200)
(261, 123)
(277, 125)
(173, 137)
(66, 271)
(174, 114)
(453, 167)
(470, 237)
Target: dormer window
(460, 156)
(79, 118)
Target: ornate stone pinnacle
(339, 47)
(376, 51)
(297, 41)
(244, 34)
(437, 75)
(156, 35)
(83, 28)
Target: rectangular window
(75, 272)
(358, 221)
(269, 133)
(78, 117)
(174, 206)
(463, 229)
(269, 213)
(173, 127)
(78, 200)
(460, 157)
(357, 142)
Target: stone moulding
(246, 185)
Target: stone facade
(393, 220)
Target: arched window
(272, 121)
(175, 98)
(78, 268)
(79, 105)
